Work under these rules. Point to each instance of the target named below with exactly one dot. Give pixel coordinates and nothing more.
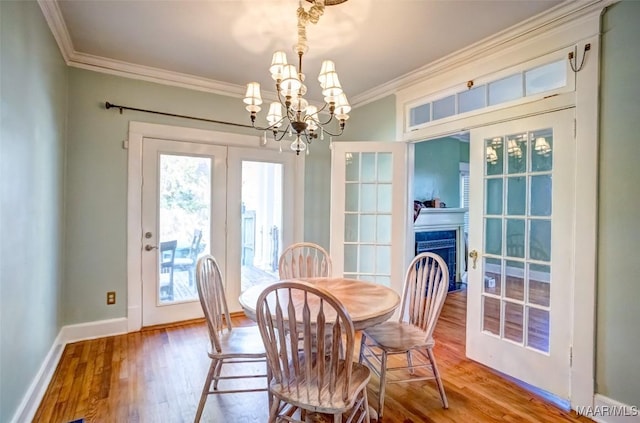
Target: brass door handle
(150, 247)
(473, 254)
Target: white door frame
(137, 132)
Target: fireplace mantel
(431, 218)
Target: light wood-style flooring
(156, 375)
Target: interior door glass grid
(368, 199)
(517, 226)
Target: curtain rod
(108, 106)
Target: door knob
(473, 254)
(150, 247)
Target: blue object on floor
(77, 421)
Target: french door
(369, 211)
(522, 199)
(183, 217)
(238, 204)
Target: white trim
(32, 398)
(137, 132)
(58, 27)
(71, 333)
(92, 330)
(602, 403)
(545, 21)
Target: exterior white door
(522, 200)
(261, 210)
(369, 210)
(183, 217)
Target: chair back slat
(305, 329)
(304, 260)
(212, 299)
(425, 290)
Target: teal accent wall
(33, 92)
(375, 121)
(618, 309)
(437, 169)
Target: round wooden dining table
(367, 303)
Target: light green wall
(374, 121)
(317, 193)
(97, 180)
(618, 310)
(437, 169)
(33, 92)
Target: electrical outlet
(111, 297)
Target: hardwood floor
(156, 376)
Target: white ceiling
(231, 41)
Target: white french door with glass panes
(520, 278)
(261, 209)
(369, 210)
(183, 217)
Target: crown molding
(152, 74)
(570, 9)
(53, 16)
(550, 19)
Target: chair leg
(365, 406)
(436, 373)
(410, 363)
(383, 381)
(216, 375)
(205, 391)
(362, 347)
(273, 411)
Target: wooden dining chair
(425, 291)
(309, 375)
(304, 260)
(229, 345)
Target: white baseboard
(607, 410)
(31, 399)
(92, 330)
(71, 333)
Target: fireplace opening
(442, 243)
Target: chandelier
(300, 119)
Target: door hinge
(575, 127)
(125, 144)
(571, 356)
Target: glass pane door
(520, 266)
(517, 237)
(183, 217)
(369, 211)
(261, 222)
(184, 222)
(367, 216)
